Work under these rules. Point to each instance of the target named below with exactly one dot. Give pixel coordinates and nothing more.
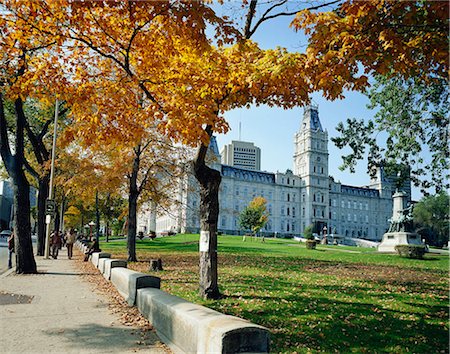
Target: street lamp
(91, 225)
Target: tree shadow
(103, 339)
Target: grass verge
(333, 299)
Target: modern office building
(242, 154)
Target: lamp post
(50, 193)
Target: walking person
(56, 243)
(10, 249)
(70, 240)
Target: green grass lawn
(333, 299)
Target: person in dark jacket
(95, 247)
(10, 249)
(55, 242)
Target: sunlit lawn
(333, 299)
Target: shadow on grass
(326, 324)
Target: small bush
(308, 232)
(411, 251)
(310, 244)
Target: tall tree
(431, 214)
(404, 45)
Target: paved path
(56, 311)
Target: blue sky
(273, 129)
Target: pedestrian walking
(70, 240)
(55, 239)
(10, 249)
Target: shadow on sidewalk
(66, 273)
(104, 339)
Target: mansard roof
(311, 119)
(247, 175)
(359, 191)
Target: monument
(401, 229)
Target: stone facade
(295, 199)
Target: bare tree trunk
(15, 165)
(132, 207)
(25, 263)
(97, 218)
(42, 197)
(209, 180)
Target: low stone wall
(192, 328)
(128, 281)
(96, 256)
(109, 264)
(184, 326)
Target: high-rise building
(242, 154)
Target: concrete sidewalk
(57, 311)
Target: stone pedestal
(392, 239)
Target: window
(322, 198)
(288, 196)
(360, 206)
(314, 211)
(342, 204)
(349, 205)
(314, 197)
(355, 206)
(349, 217)
(282, 211)
(303, 198)
(293, 211)
(367, 218)
(355, 217)
(288, 210)
(303, 211)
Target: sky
(273, 129)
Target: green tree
(255, 216)
(412, 118)
(431, 214)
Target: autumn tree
(255, 216)
(403, 45)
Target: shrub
(411, 251)
(308, 233)
(310, 244)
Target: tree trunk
(97, 218)
(132, 208)
(42, 197)
(25, 263)
(209, 180)
(107, 230)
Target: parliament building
(306, 195)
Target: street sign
(50, 207)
